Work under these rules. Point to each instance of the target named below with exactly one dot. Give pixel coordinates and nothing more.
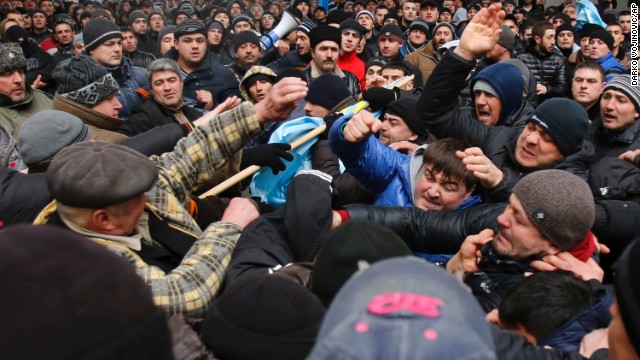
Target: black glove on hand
(379, 97)
(267, 155)
(329, 120)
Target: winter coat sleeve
(157, 141)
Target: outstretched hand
(281, 100)
(482, 33)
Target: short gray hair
(162, 65)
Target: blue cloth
(272, 189)
(587, 13)
(611, 66)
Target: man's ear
(100, 221)
(537, 39)
(469, 192)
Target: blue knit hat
(508, 83)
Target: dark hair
(540, 28)
(624, 13)
(398, 65)
(126, 29)
(591, 65)
(544, 301)
(441, 155)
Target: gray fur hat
(11, 57)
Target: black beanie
(351, 24)
(262, 317)
(588, 29)
(245, 37)
(626, 282)
(407, 108)
(604, 36)
(324, 33)
(319, 93)
(290, 72)
(97, 31)
(58, 285)
(344, 247)
(83, 81)
(565, 120)
(564, 27)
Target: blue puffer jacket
(568, 336)
(386, 173)
(129, 78)
(611, 66)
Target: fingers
(542, 266)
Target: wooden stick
(254, 168)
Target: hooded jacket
(611, 66)
(507, 81)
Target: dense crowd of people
(482, 201)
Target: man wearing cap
(546, 62)
(325, 50)
(103, 44)
(366, 19)
(247, 52)
(620, 49)
(352, 33)
(141, 215)
(63, 33)
(416, 37)
(430, 14)
(301, 55)
(614, 172)
(139, 23)
(131, 51)
(601, 50)
(206, 81)
(565, 40)
(18, 101)
(241, 23)
(39, 30)
(256, 83)
(428, 57)
(390, 41)
(373, 74)
(583, 54)
(553, 135)
(156, 23)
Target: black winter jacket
(549, 70)
(151, 115)
(350, 80)
(291, 59)
(438, 107)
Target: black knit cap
(245, 37)
(97, 174)
(406, 108)
(352, 24)
(98, 31)
(626, 282)
(603, 35)
(189, 27)
(58, 285)
(344, 247)
(82, 80)
(589, 28)
(565, 120)
(324, 33)
(391, 31)
(262, 317)
(564, 27)
(327, 90)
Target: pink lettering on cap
(399, 301)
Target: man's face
(166, 87)
(445, 17)
(390, 4)
(598, 49)
(39, 21)
(372, 5)
(214, 37)
(586, 86)
(565, 39)
(63, 34)
(267, 21)
(17, 18)
(434, 192)
(372, 71)
(547, 42)
(235, 9)
(509, 8)
(557, 22)
(535, 148)
(389, 47)
(156, 22)
(366, 21)
(512, 26)
(241, 26)
(584, 46)
(325, 55)
(12, 84)
(29, 5)
(303, 45)
(442, 36)
(109, 106)
(449, 4)
(350, 40)
(191, 48)
(27, 21)
(126, 219)
(223, 19)
(517, 237)
(78, 49)
(315, 110)
(48, 7)
(488, 107)
(429, 14)
(625, 22)
(390, 75)
(129, 42)
(140, 26)
(617, 111)
(380, 14)
(259, 90)
(248, 55)
(146, 9)
(471, 13)
(417, 37)
(394, 130)
(303, 7)
(519, 17)
(180, 18)
(320, 14)
(409, 11)
(109, 53)
(616, 32)
(571, 11)
(166, 44)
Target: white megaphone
(287, 24)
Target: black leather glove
(329, 120)
(267, 155)
(379, 97)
